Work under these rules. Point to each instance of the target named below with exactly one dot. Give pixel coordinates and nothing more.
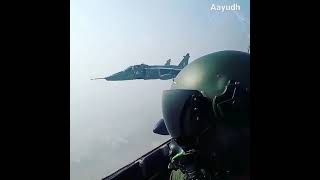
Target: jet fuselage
(144, 71)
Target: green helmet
(206, 112)
(211, 73)
(212, 89)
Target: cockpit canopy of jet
(136, 67)
(129, 68)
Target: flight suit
(177, 175)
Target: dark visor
(185, 112)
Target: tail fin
(184, 61)
(168, 62)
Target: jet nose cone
(109, 78)
(117, 77)
(112, 77)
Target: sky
(111, 122)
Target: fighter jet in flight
(144, 71)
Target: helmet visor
(185, 112)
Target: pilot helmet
(210, 93)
